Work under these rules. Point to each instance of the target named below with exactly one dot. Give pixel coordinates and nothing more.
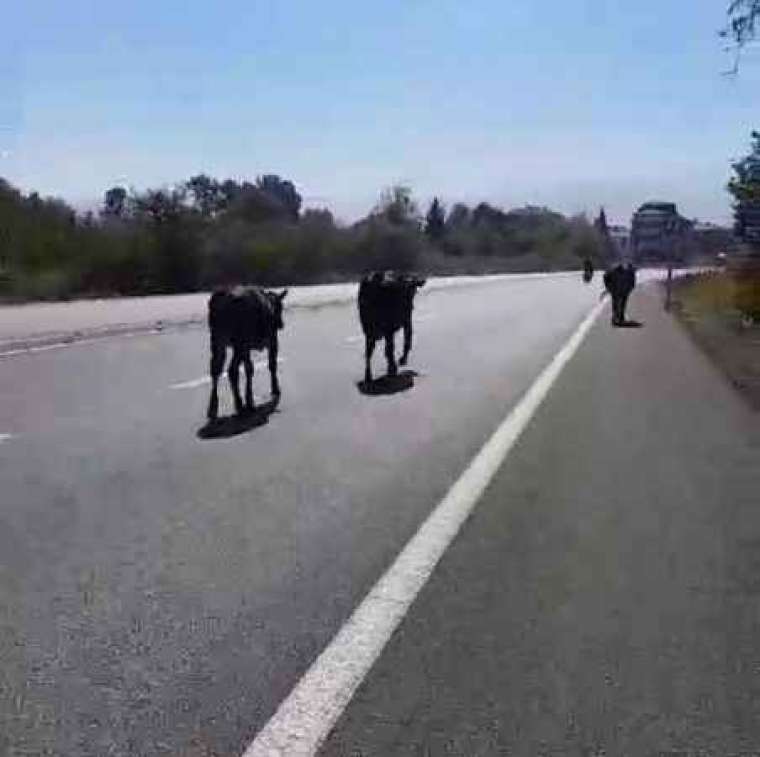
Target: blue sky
(569, 103)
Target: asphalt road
(162, 592)
(603, 597)
(40, 326)
(31, 325)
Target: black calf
(245, 319)
(386, 302)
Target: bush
(205, 233)
(381, 245)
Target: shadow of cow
(234, 425)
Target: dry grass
(714, 308)
(718, 292)
(706, 293)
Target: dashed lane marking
(356, 338)
(203, 380)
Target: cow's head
(276, 298)
(410, 284)
(413, 283)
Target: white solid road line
(203, 380)
(5, 437)
(305, 718)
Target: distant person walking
(620, 281)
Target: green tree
(283, 191)
(398, 207)
(115, 203)
(743, 17)
(206, 194)
(458, 217)
(230, 190)
(601, 223)
(318, 218)
(744, 187)
(174, 239)
(741, 29)
(435, 220)
(161, 206)
(486, 215)
(255, 205)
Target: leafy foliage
(741, 29)
(743, 17)
(744, 186)
(435, 220)
(205, 232)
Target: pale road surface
(42, 324)
(161, 593)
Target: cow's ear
(282, 294)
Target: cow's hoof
(276, 392)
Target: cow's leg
(369, 348)
(615, 308)
(407, 342)
(623, 303)
(233, 373)
(217, 366)
(619, 310)
(248, 366)
(273, 350)
(390, 354)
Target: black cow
(386, 301)
(588, 270)
(244, 318)
(620, 281)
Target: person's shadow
(233, 425)
(385, 385)
(630, 324)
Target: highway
(164, 587)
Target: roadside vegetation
(707, 305)
(721, 309)
(205, 232)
